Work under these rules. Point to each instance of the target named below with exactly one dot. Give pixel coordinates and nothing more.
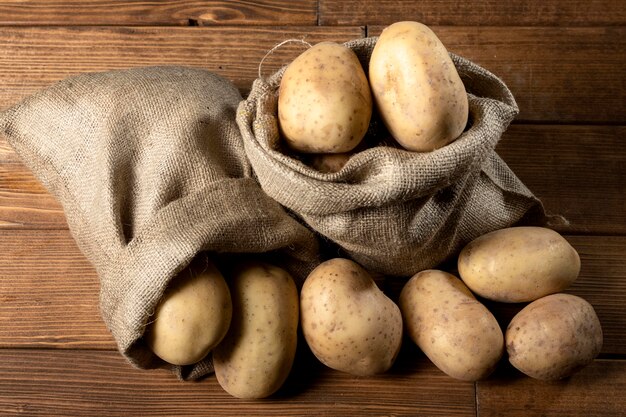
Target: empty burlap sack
(150, 169)
(394, 211)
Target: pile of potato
(350, 325)
(249, 322)
(325, 100)
(553, 336)
(248, 318)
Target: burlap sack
(394, 211)
(150, 169)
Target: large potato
(554, 336)
(417, 90)
(324, 102)
(192, 317)
(457, 333)
(349, 324)
(256, 356)
(518, 264)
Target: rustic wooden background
(565, 61)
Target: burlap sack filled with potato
(394, 211)
(150, 169)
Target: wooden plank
(571, 75)
(170, 12)
(478, 12)
(24, 202)
(557, 74)
(577, 171)
(87, 383)
(597, 390)
(49, 292)
(581, 177)
(34, 57)
(602, 282)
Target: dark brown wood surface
(564, 62)
(595, 391)
(62, 382)
(475, 13)
(164, 12)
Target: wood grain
(33, 57)
(563, 60)
(597, 390)
(564, 75)
(86, 383)
(557, 74)
(602, 282)
(169, 12)
(577, 171)
(24, 201)
(48, 293)
(478, 12)
(582, 171)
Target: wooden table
(565, 62)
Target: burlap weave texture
(150, 169)
(394, 211)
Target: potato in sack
(392, 210)
(150, 169)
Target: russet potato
(416, 87)
(348, 322)
(554, 337)
(518, 264)
(256, 356)
(324, 100)
(457, 333)
(192, 317)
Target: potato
(192, 317)
(329, 163)
(324, 102)
(457, 333)
(256, 356)
(348, 323)
(416, 88)
(554, 337)
(518, 264)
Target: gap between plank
(476, 397)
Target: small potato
(192, 317)
(349, 324)
(324, 101)
(330, 163)
(457, 333)
(256, 356)
(554, 337)
(518, 264)
(417, 90)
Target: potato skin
(349, 324)
(192, 317)
(518, 264)
(554, 337)
(324, 101)
(256, 356)
(457, 333)
(416, 88)
(329, 163)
